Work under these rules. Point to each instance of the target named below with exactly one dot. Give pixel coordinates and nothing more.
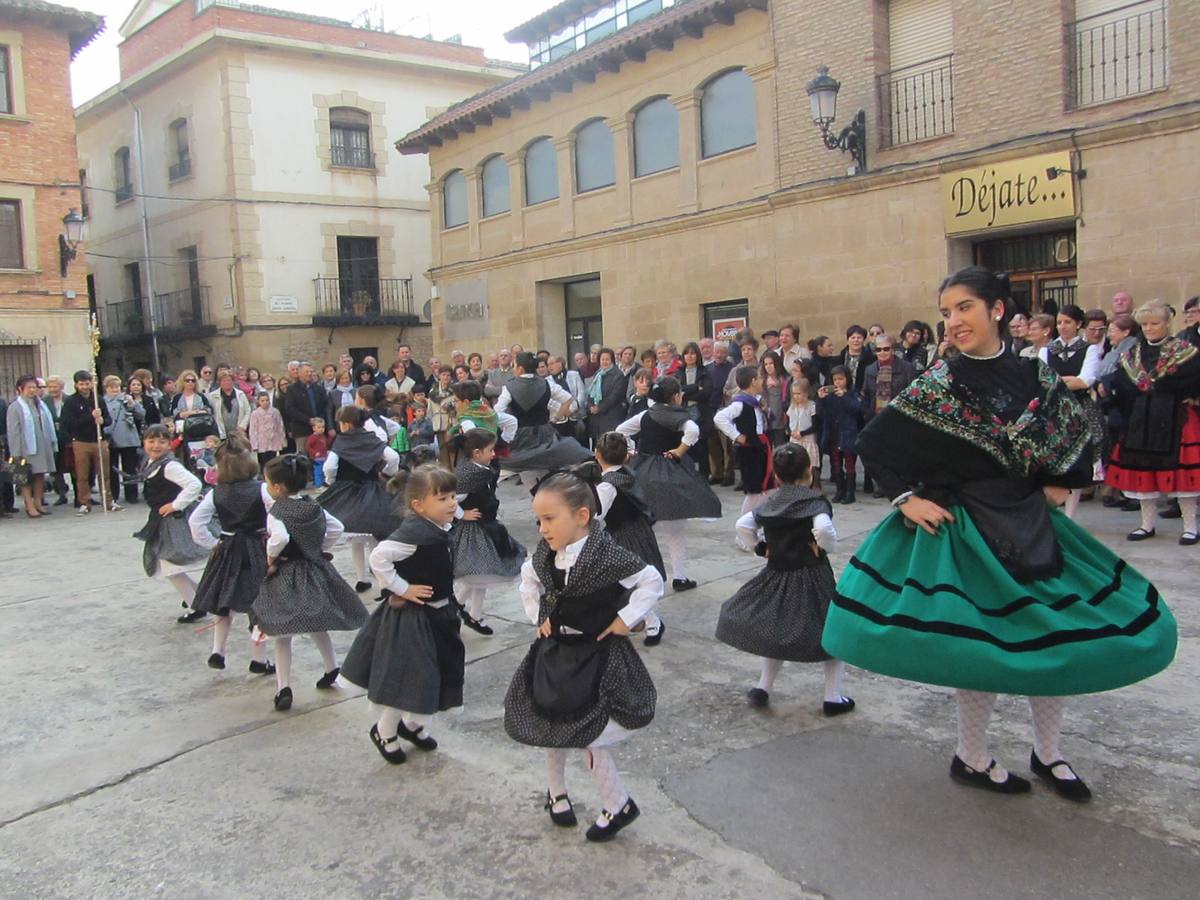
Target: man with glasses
(884, 379)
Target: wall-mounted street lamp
(822, 94)
(68, 244)
(1054, 171)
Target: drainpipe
(137, 137)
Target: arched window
(541, 172)
(350, 138)
(727, 113)
(594, 157)
(655, 137)
(454, 199)
(495, 186)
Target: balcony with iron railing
(1117, 54)
(181, 169)
(363, 301)
(916, 102)
(350, 157)
(177, 315)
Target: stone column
(474, 211)
(766, 177)
(622, 137)
(688, 106)
(437, 214)
(564, 154)
(516, 197)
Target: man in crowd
(78, 421)
(304, 401)
(501, 375)
(706, 350)
(884, 379)
(54, 400)
(411, 368)
(720, 450)
(770, 337)
(1122, 304)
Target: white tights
(834, 670)
(360, 548)
(674, 534)
(974, 713)
(390, 717)
(472, 597)
(1187, 506)
(749, 504)
(1072, 505)
(185, 586)
(283, 656)
(221, 637)
(603, 767)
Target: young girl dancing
(484, 552)
(409, 656)
(237, 565)
(666, 473)
(744, 423)
(357, 497)
(170, 491)
(624, 509)
(779, 614)
(303, 593)
(582, 683)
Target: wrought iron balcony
(352, 157)
(1119, 53)
(177, 315)
(916, 102)
(363, 301)
(181, 169)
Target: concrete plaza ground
(130, 769)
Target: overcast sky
(481, 23)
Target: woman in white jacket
(231, 408)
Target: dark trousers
(127, 459)
(264, 457)
(842, 462)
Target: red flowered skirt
(1183, 479)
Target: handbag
(18, 474)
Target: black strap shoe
(189, 617)
(261, 668)
(757, 697)
(283, 700)
(566, 818)
(360, 586)
(1140, 534)
(216, 661)
(613, 822)
(1071, 788)
(683, 584)
(389, 749)
(654, 638)
(964, 774)
(837, 707)
(417, 738)
(475, 624)
(326, 681)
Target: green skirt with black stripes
(943, 610)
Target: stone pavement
(129, 769)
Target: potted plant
(359, 301)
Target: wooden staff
(101, 475)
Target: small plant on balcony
(359, 301)
(134, 323)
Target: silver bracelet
(900, 501)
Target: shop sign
(1015, 192)
(464, 310)
(726, 329)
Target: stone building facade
(1089, 110)
(43, 311)
(283, 224)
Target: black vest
(159, 489)
(789, 543)
(530, 398)
(481, 494)
(589, 613)
(240, 507)
(433, 563)
(305, 522)
(662, 429)
(746, 422)
(629, 504)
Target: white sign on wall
(283, 304)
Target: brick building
(659, 171)
(283, 225)
(43, 312)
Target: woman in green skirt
(977, 581)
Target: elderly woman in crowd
(231, 407)
(31, 437)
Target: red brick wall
(42, 152)
(177, 26)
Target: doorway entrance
(585, 320)
(1041, 268)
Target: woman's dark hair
(611, 355)
(235, 462)
(613, 448)
(913, 325)
(527, 361)
(465, 372)
(692, 347)
(351, 415)
(1071, 311)
(665, 389)
(471, 356)
(1191, 303)
(467, 391)
(791, 463)
(647, 354)
(156, 431)
(814, 344)
(839, 370)
(576, 491)
(24, 380)
(1096, 315)
(776, 359)
(291, 470)
(477, 439)
(745, 375)
(752, 341)
(364, 375)
(445, 370)
(1128, 323)
(856, 329)
(988, 286)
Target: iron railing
(916, 102)
(363, 299)
(352, 157)
(182, 312)
(181, 169)
(1119, 53)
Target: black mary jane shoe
(416, 738)
(261, 668)
(614, 822)
(566, 818)
(361, 586)
(679, 585)
(395, 755)
(189, 617)
(1140, 534)
(964, 774)
(216, 661)
(757, 697)
(837, 707)
(1071, 788)
(1188, 538)
(327, 680)
(283, 700)
(475, 624)
(653, 640)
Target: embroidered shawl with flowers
(1173, 355)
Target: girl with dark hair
(856, 356)
(236, 566)
(841, 410)
(409, 656)
(582, 683)
(780, 613)
(303, 592)
(356, 462)
(666, 474)
(696, 385)
(976, 581)
(774, 396)
(485, 554)
(1078, 365)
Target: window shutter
(919, 30)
